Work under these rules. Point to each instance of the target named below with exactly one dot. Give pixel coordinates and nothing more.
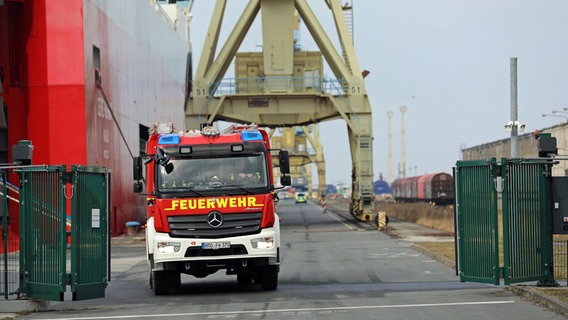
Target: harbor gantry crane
(283, 86)
(295, 140)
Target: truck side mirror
(284, 162)
(285, 180)
(169, 167)
(137, 168)
(138, 187)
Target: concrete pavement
(406, 231)
(402, 230)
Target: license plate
(215, 245)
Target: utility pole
(390, 170)
(515, 128)
(402, 168)
(514, 125)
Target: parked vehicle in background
(301, 198)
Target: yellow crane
(285, 87)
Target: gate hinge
(66, 177)
(547, 172)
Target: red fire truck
(211, 204)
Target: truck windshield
(197, 176)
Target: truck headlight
(263, 243)
(168, 247)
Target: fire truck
(211, 204)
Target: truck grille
(195, 226)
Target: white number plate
(215, 245)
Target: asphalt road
(332, 268)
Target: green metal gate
(503, 218)
(90, 239)
(527, 221)
(64, 226)
(476, 217)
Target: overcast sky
(448, 61)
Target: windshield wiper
(238, 186)
(182, 192)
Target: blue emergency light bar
(251, 136)
(169, 139)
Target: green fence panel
(527, 235)
(476, 221)
(90, 232)
(9, 261)
(42, 233)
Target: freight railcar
(436, 188)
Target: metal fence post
(4, 216)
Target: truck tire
(150, 267)
(269, 278)
(160, 282)
(175, 280)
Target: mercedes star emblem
(215, 219)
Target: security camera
(509, 126)
(521, 127)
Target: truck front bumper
(260, 246)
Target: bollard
(382, 220)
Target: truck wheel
(150, 267)
(175, 279)
(160, 282)
(269, 278)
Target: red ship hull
(52, 54)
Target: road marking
(329, 309)
(334, 216)
(320, 230)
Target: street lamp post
(555, 115)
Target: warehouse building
(527, 145)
